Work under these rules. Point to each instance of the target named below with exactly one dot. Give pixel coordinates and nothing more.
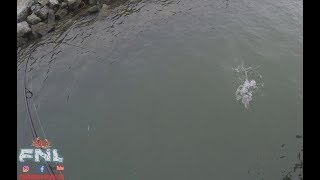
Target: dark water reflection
(154, 80)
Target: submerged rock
(21, 41)
(73, 4)
(104, 11)
(61, 13)
(104, 7)
(41, 29)
(94, 9)
(92, 2)
(33, 19)
(22, 29)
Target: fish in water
(89, 125)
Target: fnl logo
(41, 150)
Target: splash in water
(245, 92)
(248, 87)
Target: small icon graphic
(60, 167)
(25, 169)
(41, 169)
(43, 144)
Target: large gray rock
(23, 29)
(35, 8)
(33, 19)
(43, 12)
(41, 29)
(25, 11)
(53, 2)
(43, 2)
(61, 13)
(23, 14)
(73, 4)
(64, 5)
(30, 3)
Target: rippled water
(148, 91)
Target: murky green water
(155, 83)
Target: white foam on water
(248, 86)
(245, 92)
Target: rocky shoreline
(39, 17)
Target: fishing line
(34, 132)
(44, 134)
